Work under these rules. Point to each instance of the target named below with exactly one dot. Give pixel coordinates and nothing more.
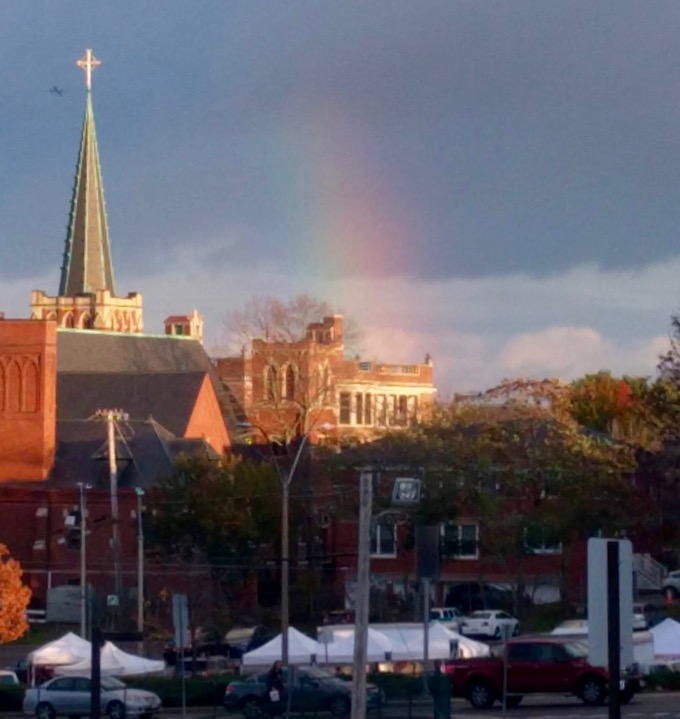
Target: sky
(494, 183)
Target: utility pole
(361, 601)
(140, 564)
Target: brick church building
(84, 390)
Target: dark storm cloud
(526, 136)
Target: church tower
(87, 298)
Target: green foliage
(200, 692)
(397, 686)
(221, 511)
(11, 698)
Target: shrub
(11, 698)
(200, 692)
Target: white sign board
(598, 618)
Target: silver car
(70, 696)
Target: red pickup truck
(535, 665)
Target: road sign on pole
(180, 619)
(600, 595)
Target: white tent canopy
(378, 649)
(301, 650)
(116, 663)
(407, 641)
(666, 639)
(67, 650)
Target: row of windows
(286, 383)
(458, 541)
(364, 408)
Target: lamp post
(83, 559)
(140, 561)
(286, 479)
(406, 492)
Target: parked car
(21, 670)
(448, 616)
(471, 596)
(640, 622)
(70, 696)
(671, 585)
(8, 678)
(240, 640)
(491, 623)
(540, 664)
(207, 643)
(314, 690)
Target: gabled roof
(145, 452)
(87, 263)
(168, 397)
(85, 352)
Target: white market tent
(69, 649)
(301, 650)
(407, 641)
(666, 639)
(116, 663)
(378, 649)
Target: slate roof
(88, 352)
(167, 397)
(145, 451)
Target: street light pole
(286, 479)
(140, 562)
(362, 594)
(83, 559)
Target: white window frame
(375, 540)
(459, 526)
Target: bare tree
(276, 320)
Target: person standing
(275, 699)
(439, 686)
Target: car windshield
(576, 650)
(112, 683)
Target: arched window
(271, 383)
(13, 387)
(31, 387)
(68, 320)
(289, 387)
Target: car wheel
(45, 710)
(593, 691)
(116, 710)
(251, 708)
(513, 702)
(340, 706)
(480, 694)
(497, 633)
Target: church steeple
(86, 299)
(87, 265)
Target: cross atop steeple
(88, 63)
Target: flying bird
(57, 90)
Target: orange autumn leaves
(14, 598)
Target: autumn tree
(14, 598)
(526, 477)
